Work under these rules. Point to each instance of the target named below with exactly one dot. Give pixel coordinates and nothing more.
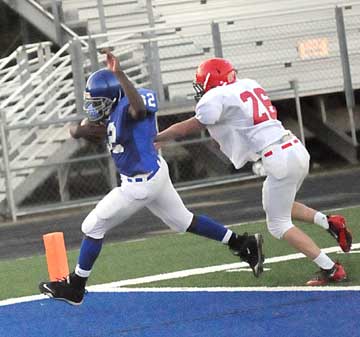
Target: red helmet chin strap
(206, 81)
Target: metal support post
(156, 72)
(25, 74)
(8, 179)
(153, 62)
(150, 13)
(25, 31)
(154, 57)
(41, 60)
(77, 64)
(101, 10)
(295, 86)
(94, 61)
(23, 63)
(216, 37)
(349, 93)
(58, 14)
(44, 54)
(322, 109)
(63, 175)
(112, 173)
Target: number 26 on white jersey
(262, 108)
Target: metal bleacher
(261, 38)
(180, 12)
(36, 91)
(119, 14)
(270, 53)
(38, 104)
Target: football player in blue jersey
(127, 117)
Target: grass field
(173, 252)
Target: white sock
(321, 220)
(227, 237)
(324, 262)
(81, 272)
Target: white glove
(258, 168)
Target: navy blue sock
(89, 251)
(205, 226)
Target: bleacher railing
(44, 168)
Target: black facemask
(199, 91)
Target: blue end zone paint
(189, 314)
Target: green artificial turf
(175, 252)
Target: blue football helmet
(102, 90)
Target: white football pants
(158, 195)
(286, 167)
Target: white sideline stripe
(111, 287)
(226, 289)
(204, 270)
(187, 289)
(22, 299)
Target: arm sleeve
(209, 109)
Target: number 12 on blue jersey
(150, 100)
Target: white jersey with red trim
(241, 118)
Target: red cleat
(335, 274)
(337, 228)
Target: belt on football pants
(285, 141)
(140, 178)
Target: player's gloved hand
(258, 168)
(91, 131)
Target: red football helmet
(212, 73)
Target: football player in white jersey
(127, 117)
(240, 116)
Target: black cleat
(63, 290)
(249, 249)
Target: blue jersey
(130, 141)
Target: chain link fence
(42, 167)
(305, 50)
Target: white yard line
(204, 270)
(22, 299)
